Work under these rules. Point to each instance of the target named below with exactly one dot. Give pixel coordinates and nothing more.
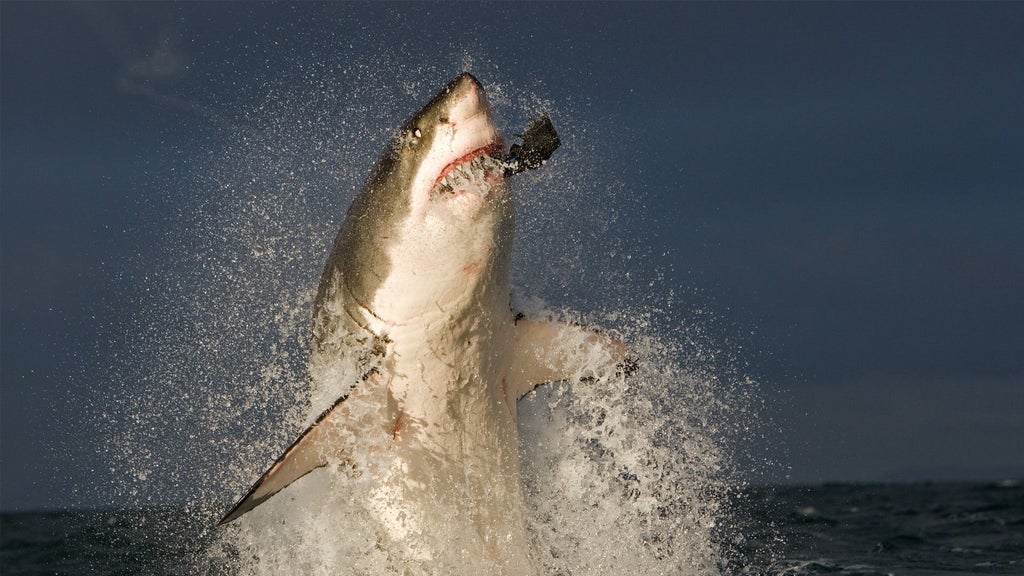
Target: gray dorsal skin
(415, 294)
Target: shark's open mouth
(485, 150)
(471, 171)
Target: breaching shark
(416, 293)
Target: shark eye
(417, 133)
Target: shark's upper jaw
(462, 138)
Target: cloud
(164, 63)
(157, 71)
(148, 48)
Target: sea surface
(913, 529)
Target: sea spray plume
(415, 303)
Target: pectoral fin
(548, 351)
(306, 454)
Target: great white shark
(416, 294)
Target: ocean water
(906, 529)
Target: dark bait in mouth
(539, 142)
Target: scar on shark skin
(396, 430)
(509, 403)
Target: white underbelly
(451, 491)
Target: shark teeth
(476, 175)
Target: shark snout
(466, 85)
(467, 98)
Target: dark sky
(840, 183)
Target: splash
(622, 474)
